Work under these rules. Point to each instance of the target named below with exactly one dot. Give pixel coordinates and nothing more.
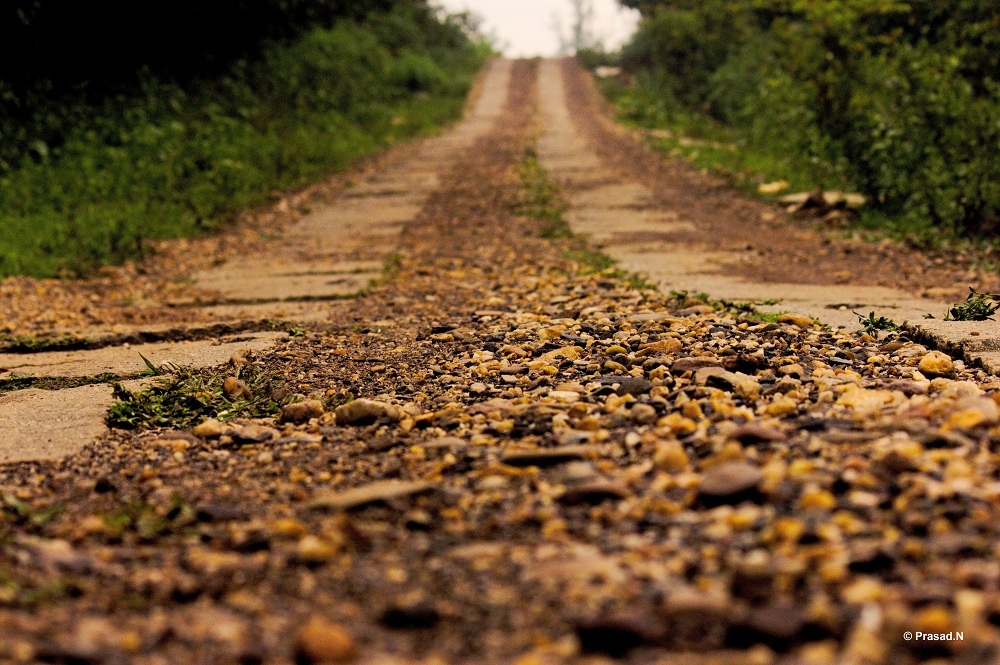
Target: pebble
(731, 482)
(593, 492)
(634, 386)
(547, 456)
(757, 433)
(322, 641)
(301, 412)
(691, 365)
(210, 429)
(361, 411)
(936, 363)
(643, 414)
(234, 389)
(312, 549)
(670, 456)
(798, 320)
(376, 492)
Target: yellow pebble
(814, 497)
(670, 456)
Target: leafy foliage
(871, 324)
(898, 100)
(184, 398)
(977, 307)
(90, 172)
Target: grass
(184, 398)
(172, 162)
(977, 307)
(540, 199)
(746, 164)
(872, 325)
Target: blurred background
(125, 123)
(526, 28)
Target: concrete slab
(43, 425)
(621, 218)
(126, 360)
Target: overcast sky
(526, 27)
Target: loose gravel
(505, 456)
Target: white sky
(526, 27)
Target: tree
(581, 34)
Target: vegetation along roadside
(90, 170)
(897, 101)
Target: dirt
(560, 467)
(776, 247)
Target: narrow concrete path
(623, 218)
(332, 254)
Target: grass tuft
(185, 398)
(977, 307)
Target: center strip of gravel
(540, 462)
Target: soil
(512, 458)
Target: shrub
(902, 99)
(170, 159)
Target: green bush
(172, 160)
(897, 100)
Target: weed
(185, 398)
(21, 512)
(540, 199)
(146, 522)
(977, 307)
(871, 324)
(639, 282)
(592, 261)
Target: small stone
(643, 414)
(251, 434)
(210, 429)
(781, 407)
(692, 365)
(816, 498)
(322, 641)
(376, 492)
(301, 412)
(593, 492)
(908, 388)
(315, 550)
(478, 387)
(697, 620)
(936, 363)
(795, 370)
(634, 386)
(732, 482)
(234, 389)
(567, 396)
(775, 625)
(746, 387)
(670, 456)
(547, 456)
(715, 377)
(797, 320)
(362, 411)
(668, 345)
(757, 433)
